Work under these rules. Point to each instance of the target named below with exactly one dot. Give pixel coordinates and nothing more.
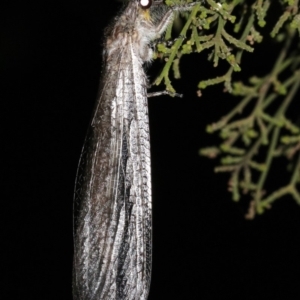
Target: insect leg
(169, 16)
(155, 94)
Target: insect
(112, 206)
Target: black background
(203, 248)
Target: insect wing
(113, 196)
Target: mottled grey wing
(112, 229)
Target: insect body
(112, 226)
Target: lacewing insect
(112, 206)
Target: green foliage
(249, 143)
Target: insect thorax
(136, 28)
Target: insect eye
(145, 3)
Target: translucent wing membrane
(113, 190)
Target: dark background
(203, 248)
